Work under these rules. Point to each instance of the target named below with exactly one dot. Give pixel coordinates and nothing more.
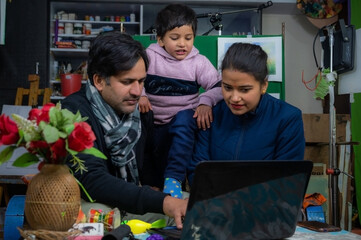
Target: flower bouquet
(49, 135)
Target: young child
(175, 75)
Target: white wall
(299, 35)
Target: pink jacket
(195, 68)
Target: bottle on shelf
(69, 68)
(55, 72)
(62, 69)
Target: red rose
(58, 151)
(81, 137)
(38, 147)
(41, 114)
(9, 133)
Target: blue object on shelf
(315, 213)
(14, 217)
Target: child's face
(178, 42)
(241, 91)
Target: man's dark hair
(175, 15)
(247, 58)
(112, 53)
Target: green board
(207, 46)
(356, 114)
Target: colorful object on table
(314, 199)
(320, 8)
(155, 237)
(81, 217)
(98, 216)
(138, 226)
(14, 217)
(315, 213)
(173, 187)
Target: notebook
(245, 199)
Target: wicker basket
(47, 235)
(322, 22)
(52, 199)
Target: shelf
(59, 82)
(69, 52)
(98, 22)
(57, 97)
(77, 36)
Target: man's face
(124, 90)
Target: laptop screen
(246, 199)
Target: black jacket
(100, 180)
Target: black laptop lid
(246, 199)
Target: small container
(61, 28)
(70, 83)
(78, 28)
(85, 44)
(87, 29)
(68, 28)
(72, 16)
(65, 16)
(55, 73)
(78, 43)
(132, 17)
(97, 18)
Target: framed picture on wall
(272, 45)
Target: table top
(304, 234)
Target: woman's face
(241, 91)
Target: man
(117, 67)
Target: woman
(249, 124)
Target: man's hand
(175, 208)
(144, 105)
(204, 116)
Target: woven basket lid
(322, 22)
(320, 13)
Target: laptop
(245, 199)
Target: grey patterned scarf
(121, 134)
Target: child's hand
(144, 105)
(204, 116)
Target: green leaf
(53, 116)
(68, 116)
(50, 134)
(69, 128)
(6, 154)
(26, 160)
(95, 152)
(160, 223)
